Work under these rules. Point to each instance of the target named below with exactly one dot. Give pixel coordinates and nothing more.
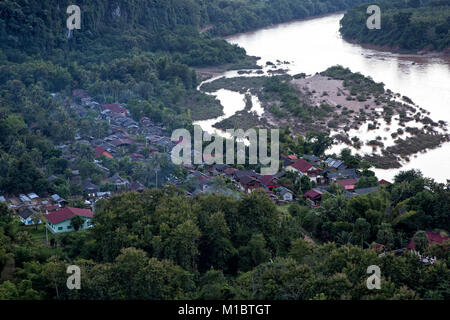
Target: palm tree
(344, 238)
(420, 241)
(361, 229)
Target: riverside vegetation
(406, 25)
(351, 101)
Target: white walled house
(60, 221)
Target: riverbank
(346, 105)
(406, 28)
(250, 32)
(206, 73)
(408, 54)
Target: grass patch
(37, 235)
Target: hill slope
(411, 26)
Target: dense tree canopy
(230, 16)
(406, 25)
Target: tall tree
(361, 230)
(421, 241)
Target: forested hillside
(230, 16)
(405, 25)
(130, 52)
(108, 30)
(137, 52)
(133, 25)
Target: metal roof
(24, 198)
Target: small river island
(383, 125)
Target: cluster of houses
(122, 129)
(321, 172)
(32, 209)
(122, 140)
(324, 172)
(243, 181)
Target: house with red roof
(50, 208)
(304, 167)
(285, 159)
(122, 142)
(249, 184)
(348, 184)
(269, 181)
(432, 239)
(314, 195)
(383, 182)
(229, 172)
(100, 151)
(60, 221)
(137, 157)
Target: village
(143, 142)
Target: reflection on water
(383, 133)
(433, 163)
(314, 45)
(232, 103)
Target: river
(313, 45)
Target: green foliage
(161, 244)
(361, 230)
(349, 159)
(254, 253)
(279, 88)
(169, 26)
(214, 286)
(385, 235)
(412, 25)
(228, 16)
(76, 222)
(319, 141)
(420, 241)
(300, 249)
(24, 176)
(355, 82)
(367, 182)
